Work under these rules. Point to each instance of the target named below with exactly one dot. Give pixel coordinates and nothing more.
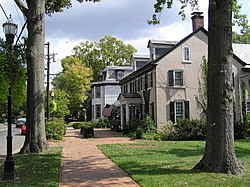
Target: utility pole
(47, 88)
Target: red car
(23, 130)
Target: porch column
(127, 113)
(122, 122)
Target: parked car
(23, 130)
(20, 122)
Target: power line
(4, 12)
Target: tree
(61, 100)
(241, 21)
(75, 81)
(108, 51)
(34, 11)
(219, 155)
(18, 80)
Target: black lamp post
(9, 30)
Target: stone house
(166, 88)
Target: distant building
(139, 60)
(106, 91)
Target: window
(150, 80)
(131, 87)
(248, 106)
(186, 55)
(120, 75)
(175, 77)
(139, 84)
(97, 92)
(160, 51)
(98, 111)
(111, 74)
(179, 110)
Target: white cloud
(62, 47)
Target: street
(17, 140)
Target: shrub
(186, 129)
(76, 125)
(166, 132)
(102, 123)
(131, 126)
(115, 119)
(87, 130)
(55, 129)
(241, 130)
(139, 129)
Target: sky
(124, 19)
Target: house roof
(241, 54)
(150, 65)
(162, 42)
(129, 95)
(141, 56)
(117, 68)
(242, 51)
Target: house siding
(192, 72)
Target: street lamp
(9, 30)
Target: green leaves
(74, 80)
(160, 5)
(108, 51)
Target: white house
(106, 91)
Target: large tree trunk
(35, 138)
(219, 153)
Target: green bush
(186, 129)
(115, 119)
(76, 125)
(241, 130)
(102, 123)
(140, 129)
(55, 129)
(87, 130)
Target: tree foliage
(108, 51)
(17, 79)
(241, 21)
(34, 12)
(239, 18)
(75, 81)
(60, 104)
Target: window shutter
(171, 77)
(187, 115)
(233, 79)
(172, 112)
(182, 82)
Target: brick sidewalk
(83, 164)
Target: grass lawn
(170, 163)
(36, 169)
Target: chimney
(197, 20)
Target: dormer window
(186, 54)
(120, 75)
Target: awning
(107, 111)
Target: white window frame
(98, 92)
(96, 111)
(179, 115)
(186, 55)
(174, 84)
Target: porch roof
(129, 98)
